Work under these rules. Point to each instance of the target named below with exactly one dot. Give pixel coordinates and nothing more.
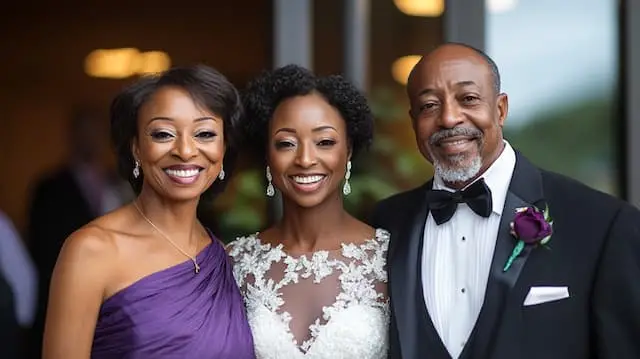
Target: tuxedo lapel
(525, 190)
(418, 336)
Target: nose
(185, 148)
(306, 155)
(451, 115)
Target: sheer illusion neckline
(267, 246)
(301, 301)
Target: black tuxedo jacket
(594, 251)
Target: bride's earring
(346, 189)
(136, 169)
(270, 190)
(221, 174)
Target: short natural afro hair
(206, 86)
(263, 95)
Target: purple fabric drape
(176, 313)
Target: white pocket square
(539, 295)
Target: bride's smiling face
(308, 150)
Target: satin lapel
(525, 190)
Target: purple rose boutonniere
(530, 226)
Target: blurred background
(567, 67)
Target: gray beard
(455, 171)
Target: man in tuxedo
(454, 291)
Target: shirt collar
(497, 177)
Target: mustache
(437, 137)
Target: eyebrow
(317, 129)
(199, 119)
(457, 84)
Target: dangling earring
(346, 189)
(136, 170)
(270, 190)
(221, 174)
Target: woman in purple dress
(148, 280)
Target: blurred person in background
(82, 189)
(18, 286)
(9, 327)
(148, 280)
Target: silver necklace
(193, 259)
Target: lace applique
(336, 299)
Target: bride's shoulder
(382, 234)
(382, 237)
(242, 244)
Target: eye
(161, 135)
(428, 106)
(326, 143)
(469, 98)
(206, 135)
(284, 144)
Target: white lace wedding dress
(320, 305)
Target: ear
(135, 149)
(502, 106)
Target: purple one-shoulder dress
(176, 313)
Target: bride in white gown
(314, 283)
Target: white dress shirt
(457, 255)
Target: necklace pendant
(197, 267)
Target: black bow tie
(443, 204)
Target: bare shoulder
(364, 228)
(362, 232)
(93, 246)
(271, 236)
(96, 238)
(82, 271)
(90, 246)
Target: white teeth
(454, 143)
(182, 173)
(307, 179)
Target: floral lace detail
(355, 323)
